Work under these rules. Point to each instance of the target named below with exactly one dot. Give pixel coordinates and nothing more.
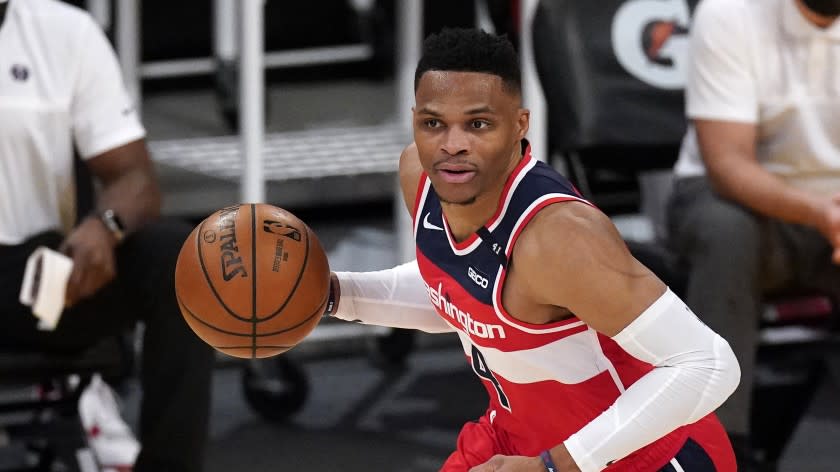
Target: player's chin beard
(468, 201)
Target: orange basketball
(252, 280)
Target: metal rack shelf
(301, 168)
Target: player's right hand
(334, 296)
(499, 463)
(91, 246)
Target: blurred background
(333, 90)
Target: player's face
(467, 128)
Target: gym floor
(360, 416)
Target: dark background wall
(183, 29)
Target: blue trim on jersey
(691, 458)
(476, 271)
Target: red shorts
(478, 441)
(707, 448)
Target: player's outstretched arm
(590, 272)
(396, 297)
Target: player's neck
(465, 220)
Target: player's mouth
(455, 173)
(456, 176)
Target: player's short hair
(471, 50)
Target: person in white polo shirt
(756, 205)
(60, 92)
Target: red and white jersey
(545, 381)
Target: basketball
(252, 280)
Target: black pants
(735, 258)
(176, 365)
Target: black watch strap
(114, 224)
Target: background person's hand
(830, 225)
(91, 246)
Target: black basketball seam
(259, 347)
(207, 277)
(253, 281)
(193, 315)
(318, 311)
(255, 335)
(297, 281)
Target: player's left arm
(110, 138)
(572, 256)
(129, 188)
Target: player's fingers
(71, 295)
(84, 270)
(836, 256)
(490, 466)
(99, 272)
(89, 285)
(66, 247)
(105, 268)
(74, 283)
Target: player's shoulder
(410, 171)
(723, 6)
(723, 14)
(566, 230)
(55, 12)
(573, 215)
(58, 20)
(410, 159)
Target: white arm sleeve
(396, 298)
(694, 372)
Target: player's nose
(455, 141)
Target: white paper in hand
(45, 285)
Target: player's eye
(432, 123)
(479, 124)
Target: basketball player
(60, 89)
(590, 361)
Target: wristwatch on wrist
(114, 224)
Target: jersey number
(480, 368)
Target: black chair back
(613, 73)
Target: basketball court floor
(360, 416)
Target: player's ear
(523, 122)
